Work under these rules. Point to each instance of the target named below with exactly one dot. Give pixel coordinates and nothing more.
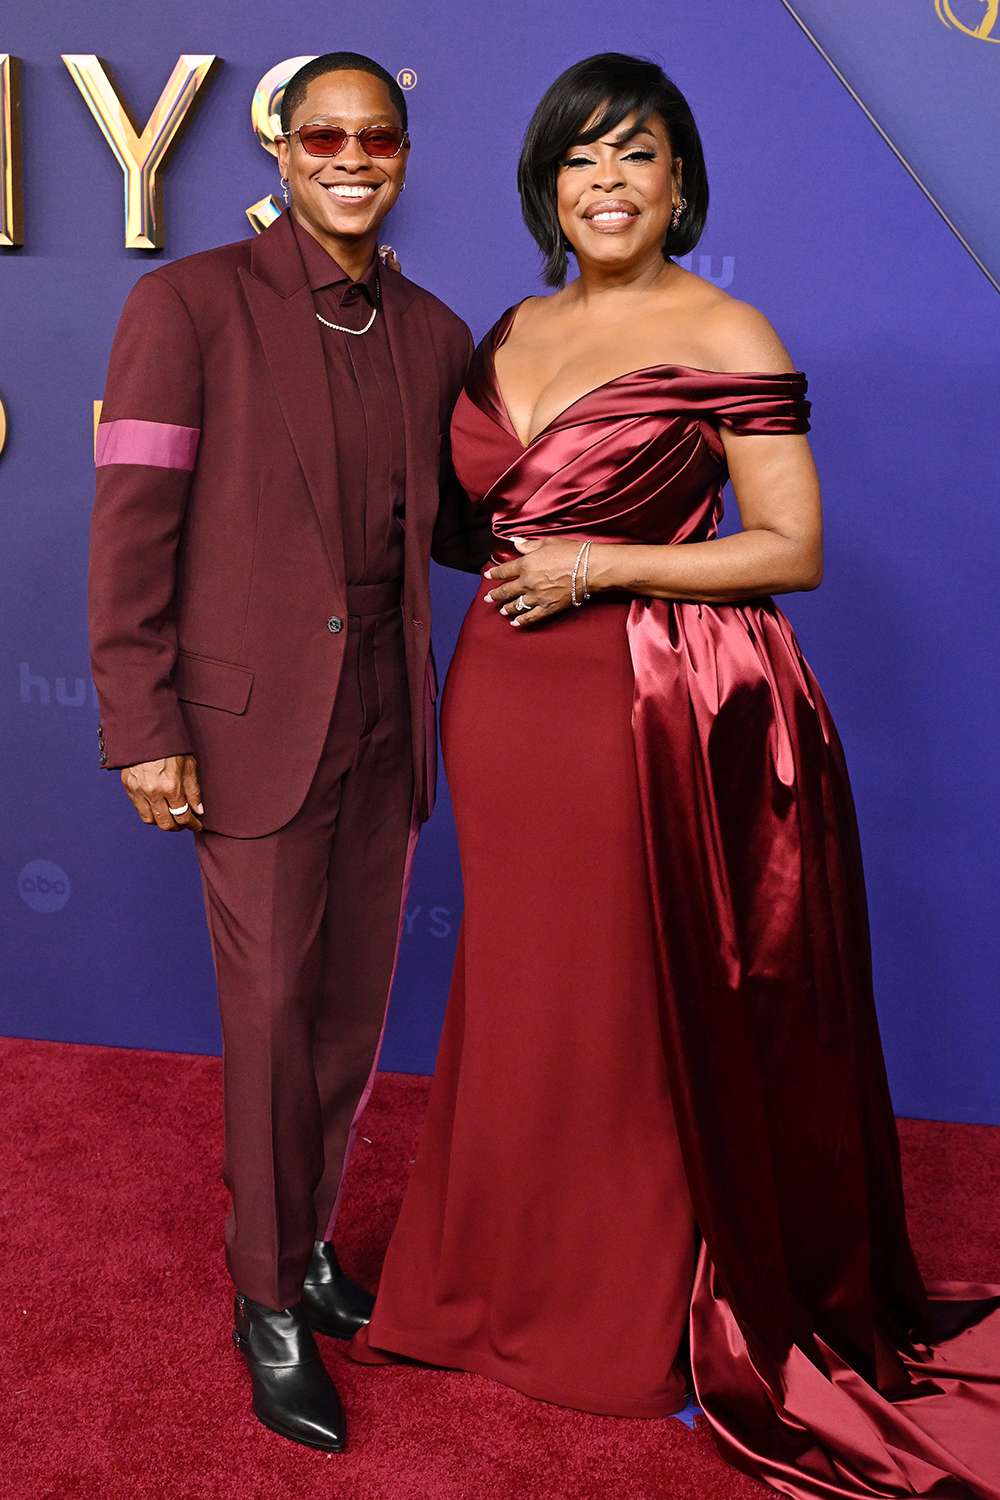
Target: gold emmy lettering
(11, 200)
(140, 156)
(263, 212)
(983, 32)
(265, 120)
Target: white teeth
(610, 218)
(342, 190)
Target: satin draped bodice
(637, 459)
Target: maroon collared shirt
(367, 416)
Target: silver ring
(178, 812)
(522, 603)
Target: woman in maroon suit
(662, 1025)
(272, 479)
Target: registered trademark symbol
(406, 78)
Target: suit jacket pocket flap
(217, 684)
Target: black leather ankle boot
(332, 1302)
(292, 1392)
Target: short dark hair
(337, 62)
(618, 85)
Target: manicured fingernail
(515, 621)
(488, 598)
(488, 573)
(198, 809)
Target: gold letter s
(140, 156)
(265, 117)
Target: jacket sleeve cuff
(130, 742)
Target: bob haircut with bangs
(616, 85)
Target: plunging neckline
(501, 330)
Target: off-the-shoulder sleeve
(763, 403)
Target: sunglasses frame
(349, 135)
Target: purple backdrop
(813, 219)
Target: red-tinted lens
(322, 140)
(380, 140)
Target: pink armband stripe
(161, 445)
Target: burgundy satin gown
(660, 1141)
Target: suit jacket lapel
(281, 304)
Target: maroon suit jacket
(218, 605)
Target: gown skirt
(660, 1148)
(534, 1216)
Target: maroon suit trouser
(304, 924)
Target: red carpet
(123, 1381)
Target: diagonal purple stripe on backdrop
(932, 91)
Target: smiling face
(343, 197)
(615, 195)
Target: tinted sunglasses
(329, 140)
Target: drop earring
(284, 190)
(678, 211)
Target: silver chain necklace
(356, 332)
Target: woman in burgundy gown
(660, 1149)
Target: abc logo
(43, 885)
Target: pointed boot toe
(292, 1392)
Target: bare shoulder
(739, 337)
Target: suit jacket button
(334, 624)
